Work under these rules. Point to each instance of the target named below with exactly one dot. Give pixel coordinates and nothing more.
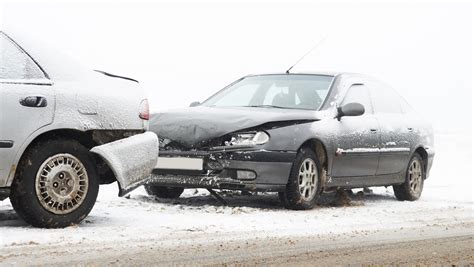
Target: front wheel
(56, 184)
(414, 179)
(304, 184)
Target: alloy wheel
(61, 184)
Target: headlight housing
(248, 139)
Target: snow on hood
(191, 126)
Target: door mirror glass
(195, 103)
(350, 109)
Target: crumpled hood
(191, 126)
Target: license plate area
(180, 163)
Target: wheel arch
(85, 138)
(320, 149)
(420, 150)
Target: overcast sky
(184, 52)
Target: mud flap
(131, 159)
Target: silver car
(64, 130)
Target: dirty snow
(447, 200)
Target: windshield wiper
(267, 106)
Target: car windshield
(292, 91)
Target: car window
(16, 64)
(277, 91)
(272, 92)
(359, 94)
(385, 99)
(241, 97)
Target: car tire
(164, 191)
(414, 179)
(56, 184)
(304, 184)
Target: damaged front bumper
(236, 169)
(131, 159)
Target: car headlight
(248, 139)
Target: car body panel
(21, 120)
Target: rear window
(16, 64)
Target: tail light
(144, 110)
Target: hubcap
(307, 179)
(415, 176)
(61, 184)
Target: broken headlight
(248, 139)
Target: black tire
(24, 197)
(164, 191)
(410, 190)
(293, 198)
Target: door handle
(373, 130)
(410, 129)
(34, 101)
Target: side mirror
(350, 109)
(195, 103)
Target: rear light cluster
(144, 110)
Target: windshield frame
(323, 103)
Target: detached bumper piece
(248, 170)
(131, 159)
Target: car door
(26, 101)
(395, 130)
(357, 138)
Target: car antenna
(311, 50)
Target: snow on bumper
(131, 159)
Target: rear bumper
(131, 159)
(222, 170)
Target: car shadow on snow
(264, 201)
(234, 199)
(10, 218)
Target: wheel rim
(415, 176)
(307, 179)
(61, 184)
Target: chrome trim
(27, 81)
(354, 151)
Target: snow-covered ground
(447, 201)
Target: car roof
(323, 73)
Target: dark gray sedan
(296, 134)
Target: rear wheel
(414, 179)
(164, 191)
(56, 184)
(304, 183)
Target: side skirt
(365, 181)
